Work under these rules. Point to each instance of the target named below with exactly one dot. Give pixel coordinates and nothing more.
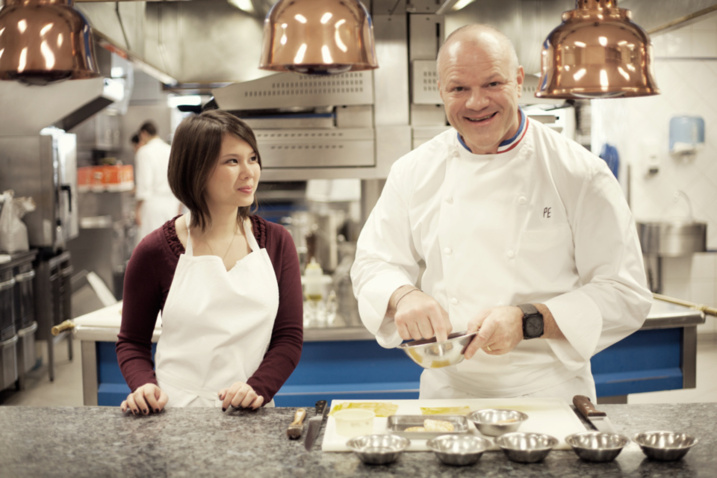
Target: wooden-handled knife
(297, 426)
(597, 418)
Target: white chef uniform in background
(506, 229)
(152, 186)
(219, 336)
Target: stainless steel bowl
(378, 449)
(495, 421)
(430, 354)
(526, 447)
(597, 446)
(664, 445)
(458, 450)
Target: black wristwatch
(532, 321)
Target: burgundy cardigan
(147, 280)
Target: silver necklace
(223, 257)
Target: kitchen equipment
(378, 449)
(664, 445)
(597, 418)
(354, 422)
(429, 354)
(315, 424)
(407, 425)
(297, 425)
(496, 422)
(597, 446)
(672, 238)
(458, 450)
(525, 447)
(554, 416)
(44, 167)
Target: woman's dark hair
(195, 151)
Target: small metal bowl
(664, 445)
(459, 450)
(378, 449)
(429, 354)
(526, 447)
(495, 421)
(597, 446)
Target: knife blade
(597, 418)
(315, 424)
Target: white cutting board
(545, 415)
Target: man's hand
(418, 315)
(500, 330)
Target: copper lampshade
(318, 37)
(597, 52)
(43, 41)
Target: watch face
(533, 326)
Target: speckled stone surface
(102, 442)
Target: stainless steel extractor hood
(30, 108)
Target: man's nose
(477, 100)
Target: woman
(227, 283)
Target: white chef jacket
(152, 186)
(545, 222)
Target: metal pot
(672, 238)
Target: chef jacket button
(448, 251)
(522, 200)
(454, 301)
(510, 254)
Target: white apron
(216, 324)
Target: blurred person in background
(155, 202)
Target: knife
(597, 418)
(315, 424)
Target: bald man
(501, 226)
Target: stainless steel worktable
(102, 442)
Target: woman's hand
(240, 395)
(145, 399)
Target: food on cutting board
(380, 409)
(462, 410)
(430, 425)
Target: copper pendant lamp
(43, 41)
(318, 37)
(597, 52)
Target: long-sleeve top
(545, 222)
(147, 281)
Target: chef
(502, 226)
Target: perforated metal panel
(314, 148)
(425, 83)
(286, 90)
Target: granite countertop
(101, 441)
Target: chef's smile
(480, 119)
